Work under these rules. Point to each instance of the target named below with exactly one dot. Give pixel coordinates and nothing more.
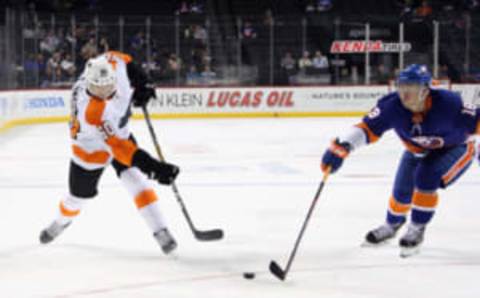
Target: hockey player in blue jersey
(435, 127)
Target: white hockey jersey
(99, 128)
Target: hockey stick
(209, 235)
(275, 269)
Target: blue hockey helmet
(415, 74)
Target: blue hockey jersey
(445, 122)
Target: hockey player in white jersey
(101, 108)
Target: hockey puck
(248, 275)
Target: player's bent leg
(396, 216)
(381, 234)
(399, 203)
(439, 170)
(424, 204)
(83, 186)
(148, 206)
(69, 208)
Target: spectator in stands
(382, 75)
(208, 74)
(288, 66)
(151, 65)
(318, 5)
(30, 68)
(196, 7)
(248, 31)
(310, 7)
(67, 68)
(54, 71)
(320, 61)
(206, 58)
(324, 5)
(193, 75)
(355, 78)
(42, 70)
(196, 57)
(79, 37)
(184, 8)
(288, 63)
(304, 62)
(49, 43)
(408, 7)
(63, 44)
(174, 63)
(137, 42)
(424, 10)
(103, 45)
(89, 50)
(268, 18)
(172, 67)
(188, 32)
(200, 33)
(472, 4)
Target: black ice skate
(382, 234)
(166, 240)
(410, 242)
(52, 232)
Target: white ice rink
(253, 178)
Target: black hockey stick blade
(277, 271)
(210, 235)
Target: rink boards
(19, 107)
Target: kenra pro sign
(361, 46)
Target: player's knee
(134, 181)
(83, 183)
(428, 180)
(83, 190)
(119, 168)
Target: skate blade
(407, 252)
(367, 244)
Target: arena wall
(26, 107)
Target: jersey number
(469, 109)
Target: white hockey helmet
(101, 77)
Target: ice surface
(254, 178)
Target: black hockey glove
(139, 80)
(160, 171)
(142, 95)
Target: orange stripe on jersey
(398, 207)
(413, 148)
(125, 57)
(67, 212)
(477, 130)
(372, 137)
(123, 150)
(428, 104)
(94, 111)
(425, 200)
(145, 198)
(460, 164)
(99, 157)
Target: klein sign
(374, 46)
